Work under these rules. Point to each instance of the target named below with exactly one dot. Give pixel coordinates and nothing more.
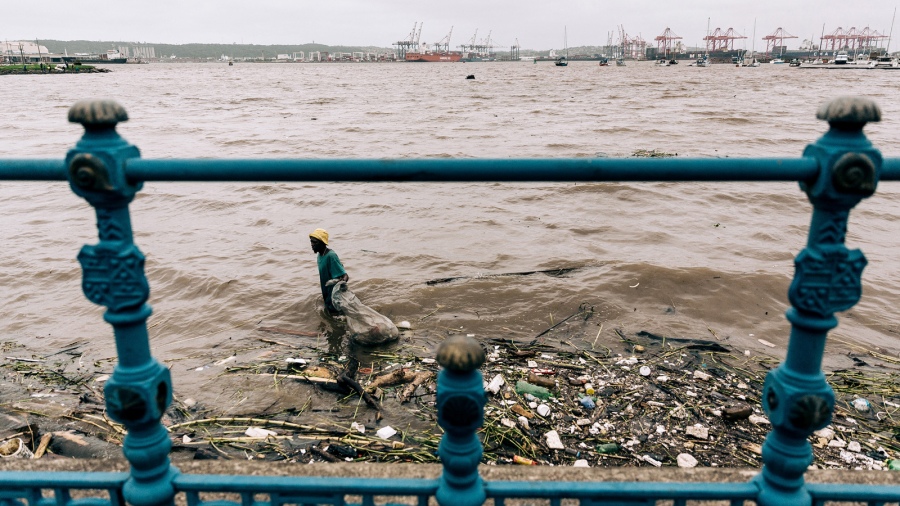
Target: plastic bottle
(587, 402)
(607, 448)
(524, 387)
(522, 461)
(589, 389)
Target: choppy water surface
(700, 260)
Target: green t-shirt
(329, 268)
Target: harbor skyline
(533, 24)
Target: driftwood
(42, 446)
(390, 379)
(325, 455)
(346, 380)
(419, 379)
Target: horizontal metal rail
(27, 487)
(302, 489)
(449, 170)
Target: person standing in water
(330, 268)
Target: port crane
(411, 43)
(722, 40)
(776, 40)
(443, 45)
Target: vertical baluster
(827, 279)
(460, 405)
(140, 389)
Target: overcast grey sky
(536, 24)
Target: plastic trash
(522, 461)
(581, 463)
(259, 432)
(861, 405)
(607, 448)
(366, 326)
(495, 384)
(650, 460)
(524, 387)
(894, 465)
(15, 449)
(587, 402)
(385, 432)
(553, 441)
(543, 410)
(686, 460)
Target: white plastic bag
(365, 325)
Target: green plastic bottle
(524, 387)
(607, 448)
(894, 465)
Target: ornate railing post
(460, 406)
(140, 389)
(827, 279)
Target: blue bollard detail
(460, 405)
(827, 279)
(140, 389)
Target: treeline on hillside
(202, 50)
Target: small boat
(604, 62)
(885, 61)
(620, 62)
(703, 61)
(841, 58)
(795, 63)
(563, 61)
(662, 62)
(753, 62)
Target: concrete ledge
(431, 471)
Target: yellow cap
(320, 234)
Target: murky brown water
(691, 260)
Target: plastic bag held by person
(366, 325)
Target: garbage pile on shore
(670, 402)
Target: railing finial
(460, 406)
(97, 114)
(850, 113)
(460, 354)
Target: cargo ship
(428, 56)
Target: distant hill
(203, 50)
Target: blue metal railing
(837, 171)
